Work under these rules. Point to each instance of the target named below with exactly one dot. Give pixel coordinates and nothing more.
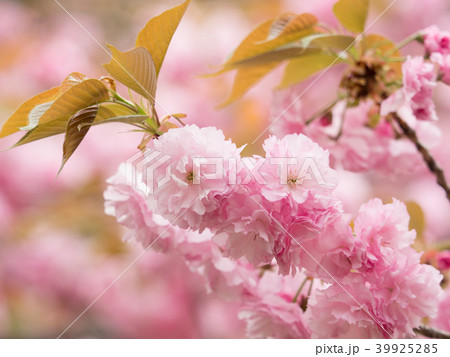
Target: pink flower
(413, 100)
(419, 79)
(245, 218)
(201, 163)
(442, 320)
(225, 277)
(443, 260)
(444, 66)
(332, 312)
(355, 146)
(130, 208)
(274, 317)
(327, 255)
(383, 228)
(389, 303)
(314, 235)
(436, 41)
(269, 310)
(295, 167)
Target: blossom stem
(310, 287)
(414, 37)
(431, 333)
(429, 160)
(321, 112)
(294, 299)
(155, 116)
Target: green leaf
(246, 78)
(135, 69)
(19, 118)
(352, 14)
(74, 134)
(80, 96)
(158, 32)
(301, 68)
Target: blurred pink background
(59, 251)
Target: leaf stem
(429, 160)
(155, 115)
(131, 105)
(118, 97)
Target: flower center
(293, 178)
(190, 177)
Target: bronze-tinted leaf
(72, 80)
(352, 14)
(279, 55)
(261, 41)
(58, 126)
(75, 134)
(125, 119)
(417, 218)
(42, 131)
(36, 113)
(158, 32)
(19, 118)
(80, 96)
(247, 77)
(303, 67)
(110, 110)
(328, 42)
(135, 69)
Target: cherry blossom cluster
(360, 132)
(267, 232)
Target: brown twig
(429, 160)
(431, 333)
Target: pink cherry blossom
(296, 166)
(269, 310)
(356, 147)
(444, 66)
(190, 190)
(443, 260)
(225, 277)
(245, 219)
(419, 79)
(436, 41)
(130, 208)
(442, 320)
(389, 303)
(274, 317)
(383, 228)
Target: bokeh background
(59, 251)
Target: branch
(429, 160)
(431, 333)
